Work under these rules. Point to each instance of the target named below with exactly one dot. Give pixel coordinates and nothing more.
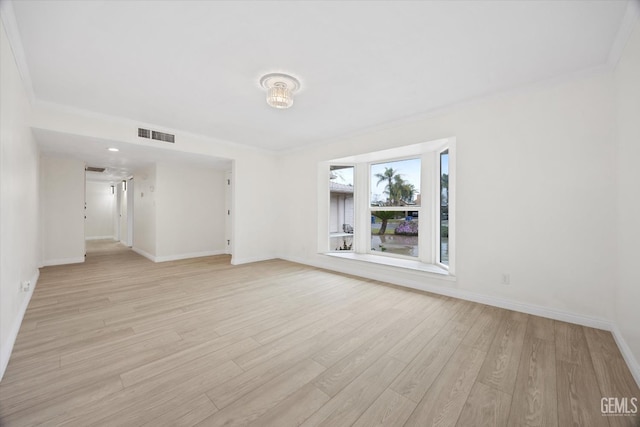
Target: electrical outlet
(506, 279)
(25, 286)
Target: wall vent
(94, 169)
(161, 136)
(158, 136)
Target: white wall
(228, 204)
(179, 211)
(130, 192)
(255, 210)
(123, 212)
(19, 222)
(253, 178)
(100, 204)
(62, 183)
(144, 220)
(627, 301)
(535, 197)
(190, 211)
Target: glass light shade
(279, 96)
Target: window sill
(395, 262)
(331, 235)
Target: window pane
(394, 232)
(395, 183)
(341, 208)
(444, 207)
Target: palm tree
(397, 189)
(409, 190)
(403, 190)
(388, 175)
(384, 216)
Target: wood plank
(417, 377)
(28, 393)
(210, 353)
(55, 405)
(389, 410)
(578, 399)
(535, 400)
(501, 365)
(258, 402)
(413, 342)
(187, 414)
(616, 381)
(353, 400)
(342, 373)
(342, 347)
(445, 399)
(485, 407)
(295, 409)
(601, 343)
(134, 343)
(484, 329)
(541, 328)
(230, 391)
(571, 344)
(146, 401)
(22, 369)
(252, 358)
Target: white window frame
(429, 211)
(370, 209)
(355, 208)
(439, 210)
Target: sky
(344, 176)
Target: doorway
(124, 212)
(109, 211)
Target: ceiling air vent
(161, 136)
(158, 136)
(94, 169)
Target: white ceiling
(195, 66)
(121, 164)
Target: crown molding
(629, 20)
(13, 35)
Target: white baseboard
(239, 261)
(62, 261)
(187, 256)
(416, 280)
(632, 362)
(7, 348)
(145, 254)
(100, 238)
(385, 274)
(177, 257)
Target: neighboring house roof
(334, 187)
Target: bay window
(395, 206)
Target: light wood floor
(121, 341)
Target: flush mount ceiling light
(280, 89)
